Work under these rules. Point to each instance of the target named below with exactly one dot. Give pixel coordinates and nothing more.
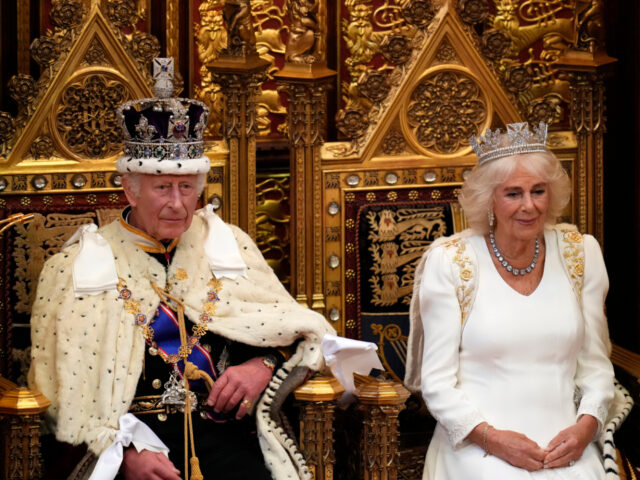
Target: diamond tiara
(517, 139)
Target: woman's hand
(512, 447)
(568, 445)
(241, 384)
(147, 465)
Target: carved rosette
(352, 123)
(145, 47)
(122, 13)
(95, 53)
(7, 127)
(445, 109)
(66, 14)
(22, 88)
(473, 11)
(396, 49)
(394, 143)
(446, 53)
(418, 13)
(374, 86)
(495, 44)
(547, 109)
(86, 116)
(518, 78)
(44, 50)
(42, 147)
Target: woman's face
(520, 205)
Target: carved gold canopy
(372, 102)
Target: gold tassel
(195, 469)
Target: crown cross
(517, 139)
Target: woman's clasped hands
(520, 451)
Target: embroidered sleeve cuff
(598, 411)
(459, 431)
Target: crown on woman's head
(163, 135)
(517, 139)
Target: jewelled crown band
(517, 139)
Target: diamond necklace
(503, 261)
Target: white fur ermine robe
(88, 352)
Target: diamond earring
(492, 219)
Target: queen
(509, 342)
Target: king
(163, 338)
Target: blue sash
(166, 334)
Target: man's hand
(241, 384)
(512, 447)
(569, 444)
(148, 465)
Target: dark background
(622, 174)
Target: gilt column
(306, 78)
(380, 402)
(317, 399)
(585, 66)
(240, 71)
(20, 416)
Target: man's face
(164, 205)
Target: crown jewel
(517, 139)
(163, 135)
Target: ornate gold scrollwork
(211, 40)
(272, 224)
(34, 244)
(85, 120)
(446, 107)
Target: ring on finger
(247, 403)
(572, 463)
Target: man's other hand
(240, 385)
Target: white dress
(515, 363)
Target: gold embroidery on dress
(464, 291)
(573, 254)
